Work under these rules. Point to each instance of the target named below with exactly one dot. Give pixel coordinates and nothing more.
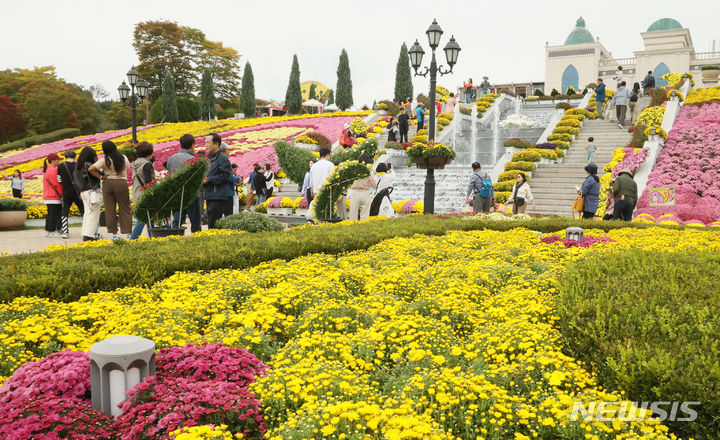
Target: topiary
(368, 146)
(294, 161)
(340, 179)
(250, 222)
(162, 198)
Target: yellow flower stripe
(415, 338)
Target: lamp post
(135, 99)
(416, 52)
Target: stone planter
(279, 211)
(545, 161)
(285, 181)
(713, 73)
(309, 147)
(513, 150)
(165, 232)
(382, 112)
(12, 219)
(302, 212)
(433, 163)
(395, 152)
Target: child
(610, 203)
(590, 149)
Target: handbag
(95, 196)
(578, 203)
(519, 201)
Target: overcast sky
(91, 41)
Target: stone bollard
(574, 233)
(117, 364)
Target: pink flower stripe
(588, 241)
(690, 162)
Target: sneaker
(54, 234)
(98, 237)
(117, 237)
(47, 234)
(620, 125)
(65, 235)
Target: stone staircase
(553, 185)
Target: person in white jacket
(385, 178)
(620, 100)
(520, 195)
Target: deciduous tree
(161, 49)
(222, 61)
(11, 122)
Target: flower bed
(420, 337)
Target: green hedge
(39, 139)
(66, 275)
(294, 161)
(647, 323)
(13, 204)
(250, 222)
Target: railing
(617, 62)
(706, 55)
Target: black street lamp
(416, 52)
(135, 99)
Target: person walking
(619, 74)
(648, 82)
(90, 189)
(484, 86)
(620, 100)
(216, 190)
(520, 195)
(632, 101)
(481, 189)
(609, 202)
(177, 160)
(404, 126)
(393, 130)
(116, 195)
(307, 184)
(450, 104)
(590, 191)
(17, 184)
(52, 195)
(143, 173)
(625, 192)
(438, 107)
(600, 96)
(269, 181)
(359, 193)
(70, 195)
(385, 178)
(320, 171)
(235, 207)
(260, 187)
(251, 183)
(420, 115)
(590, 149)
(468, 90)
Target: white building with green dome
(582, 59)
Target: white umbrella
(312, 103)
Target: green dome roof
(579, 35)
(665, 24)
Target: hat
(346, 125)
(53, 156)
(626, 171)
(591, 168)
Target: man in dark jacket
(600, 96)
(625, 192)
(404, 124)
(260, 181)
(217, 190)
(69, 195)
(648, 82)
(194, 211)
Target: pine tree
(331, 97)
(311, 93)
(169, 103)
(247, 96)
(207, 96)
(293, 96)
(344, 83)
(403, 77)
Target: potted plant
(711, 71)
(164, 198)
(280, 206)
(382, 109)
(306, 143)
(303, 208)
(432, 155)
(13, 213)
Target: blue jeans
(260, 199)
(194, 212)
(483, 92)
(138, 229)
(590, 156)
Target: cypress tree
(169, 102)
(331, 97)
(311, 93)
(293, 96)
(344, 83)
(207, 96)
(403, 77)
(247, 95)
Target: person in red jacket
(52, 195)
(438, 107)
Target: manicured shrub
(647, 325)
(504, 185)
(57, 135)
(560, 137)
(517, 143)
(294, 161)
(511, 175)
(567, 130)
(569, 122)
(501, 196)
(419, 138)
(12, 204)
(563, 105)
(532, 98)
(465, 111)
(250, 222)
(369, 147)
(394, 145)
(530, 155)
(521, 165)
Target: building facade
(582, 59)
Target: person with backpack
(90, 191)
(385, 178)
(481, 188)
(69, 193)
(52, 195)
(648, 82)
(634, 95)
(520, 195)
(143, 173)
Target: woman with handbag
(90, 192)
(590, 192)
(52, 195)
(116, 194)
(520, 195)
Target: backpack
(486, 188)
(634, 97)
